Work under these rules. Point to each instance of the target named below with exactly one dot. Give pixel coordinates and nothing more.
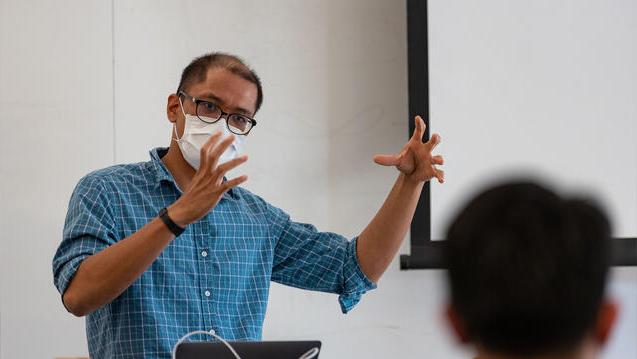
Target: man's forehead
(230, 89)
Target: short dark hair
(527, 269)
(198, 68)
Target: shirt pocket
(242, 234)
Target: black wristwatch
(172, 226)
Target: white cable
(202, 332)
(312, 353)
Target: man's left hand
(415, 159)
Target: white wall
(84, 84)
(56, 118)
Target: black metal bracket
(429, 256)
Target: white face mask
(197, 132)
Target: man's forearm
(105, 275)
(381, 239)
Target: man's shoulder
(247, 197)
(115, 176)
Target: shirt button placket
(204, 260)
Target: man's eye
(210, 106)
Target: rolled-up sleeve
(322, 261)
(88, 229)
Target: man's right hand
(207, 185)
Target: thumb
(387, 160)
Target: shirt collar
(163, 175)
(160, 171)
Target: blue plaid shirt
(216, 275)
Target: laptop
(247, 350)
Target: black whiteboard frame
(425, 253)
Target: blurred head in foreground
(527, 271)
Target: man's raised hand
(207, 185)
(415, 159)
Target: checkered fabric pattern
(216, 275)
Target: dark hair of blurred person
(527, 272)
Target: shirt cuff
(64, 277)
(356, 282)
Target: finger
(433, 141)
(203, 152)
(438, 160)
(387, 160)
(419, 130)
(215, 152)
(230, 165)
(233, 183)
(440, 175)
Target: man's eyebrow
(243, 111)
(209, 96)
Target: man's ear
(605, 321)
(173, 108)
(456, 324)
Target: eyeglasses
(209, 112)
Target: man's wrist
(178, 215)
(410, 183)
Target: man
(527, 271)
(154, 250)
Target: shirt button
(207, 293)
(204, 253)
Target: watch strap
(172, 226)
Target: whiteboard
(538, 88)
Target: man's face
(231, 92)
